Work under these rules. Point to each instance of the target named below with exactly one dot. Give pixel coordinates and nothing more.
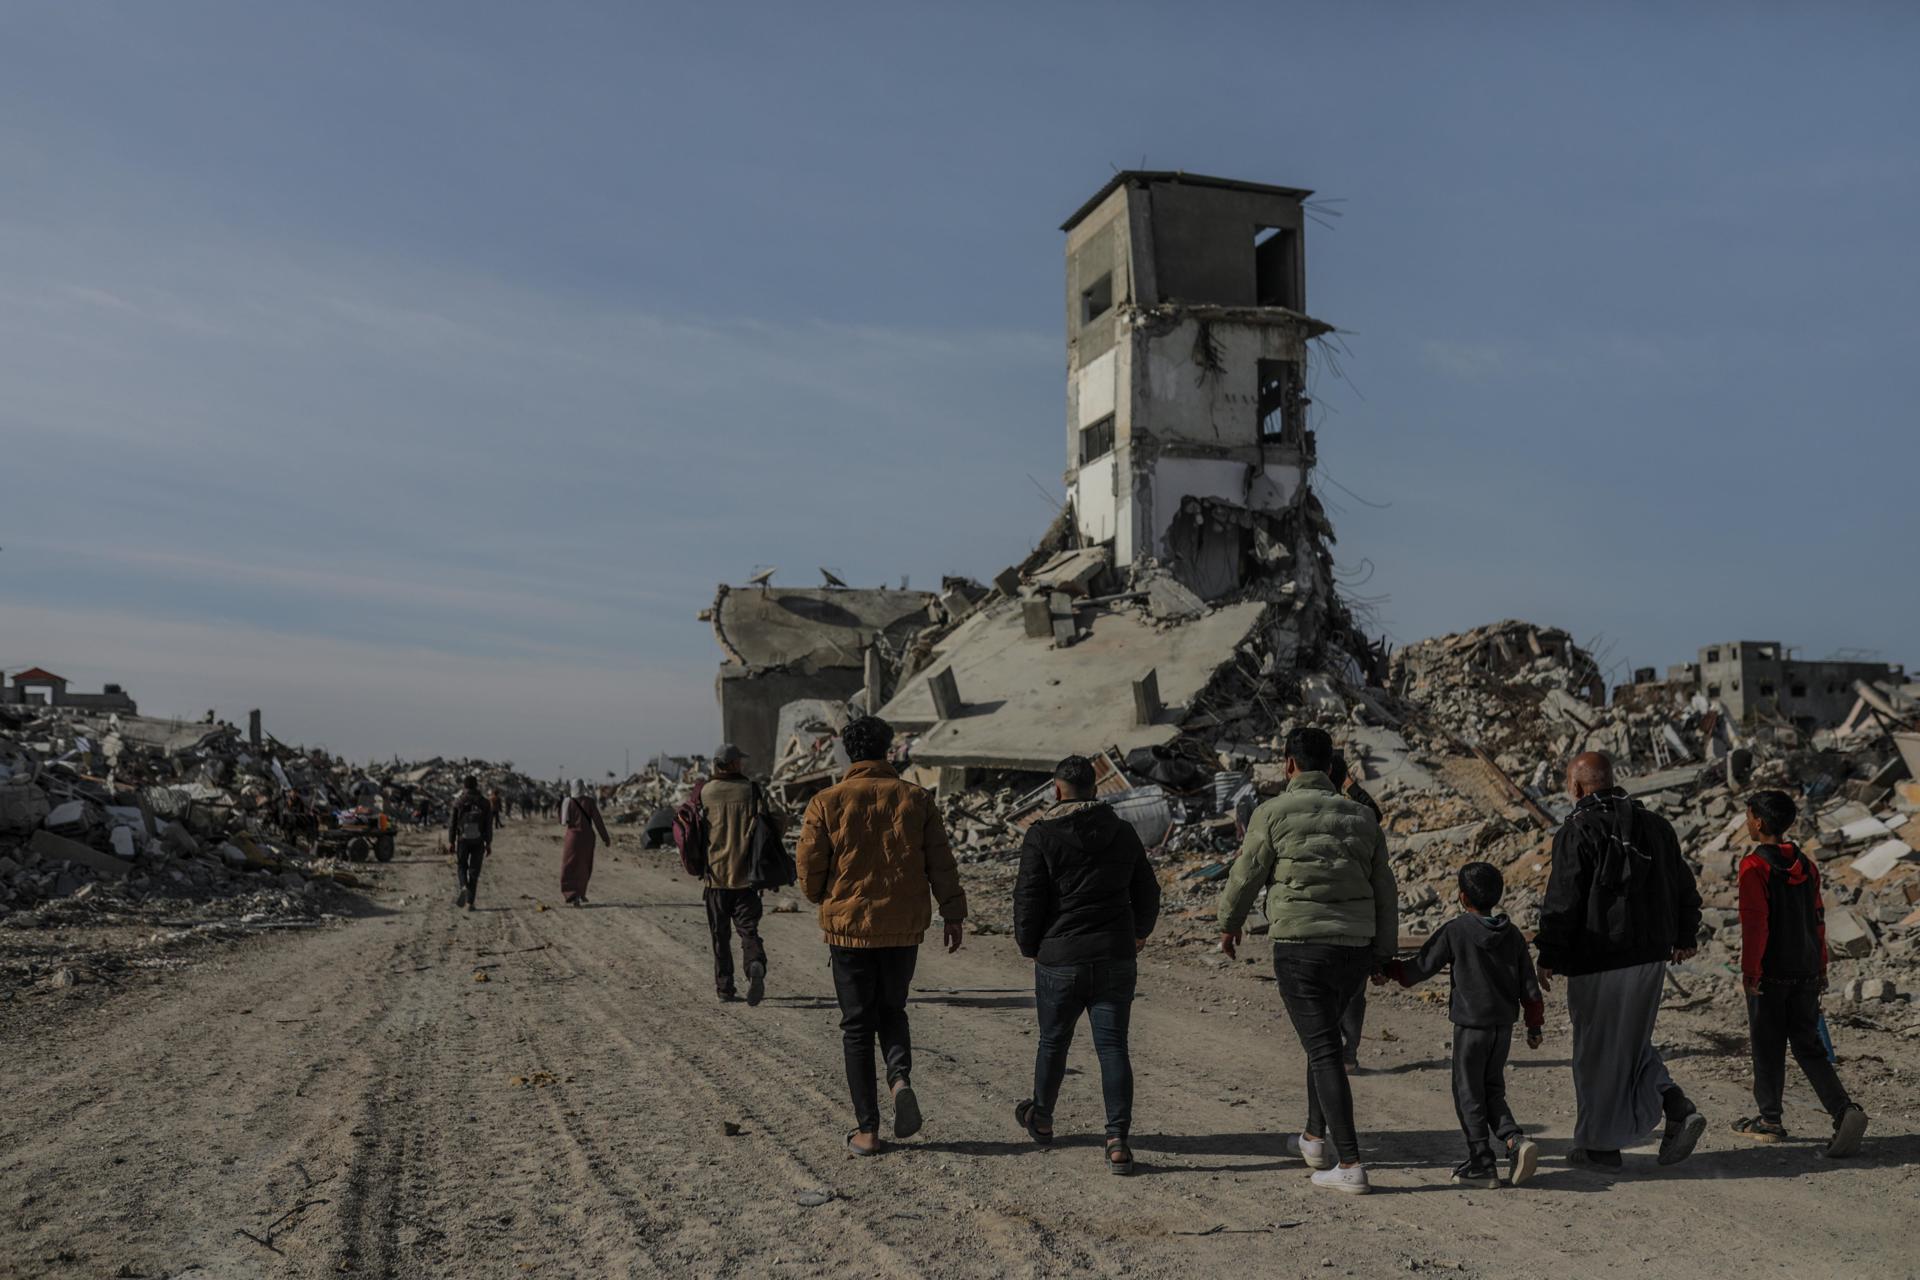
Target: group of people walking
(1621, 905)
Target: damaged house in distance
(1187, 586)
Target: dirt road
(353, 1101)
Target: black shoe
(469, 902)
(1683, 1132)
(1582, 1158)
(906, 1112)
(1480, 1173)
(756, 983)
(726, 997)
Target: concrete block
(1037, 617)
(1882, 858)
(1146, 699)
(946, 694)
(1847, 935)
(22, 808)
(56, 848)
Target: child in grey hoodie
(1493, 980)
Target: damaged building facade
(1763, 678)
(1186, 370)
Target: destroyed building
(1186, 369)
(26, 686)
(786, 644)
(1189, 585)
(1186, 586)
(1763, 678)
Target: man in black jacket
(1621, 904)
(1084, 904)
(469, 837)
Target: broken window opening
(1713, 691)
(1096, 299)
(1766, 690)
(1283, 402)
(1797, 690)
(1096, 440)
(1713, 655)
(1276, 268)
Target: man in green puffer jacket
(1333, 914)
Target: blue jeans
(1103, 989)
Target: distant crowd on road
(1621, 905)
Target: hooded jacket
(1086, 890)
(1493, 977)
(470, 803)
(1783, 923)
(1326, 862)
(874, 856)
(1619, 893)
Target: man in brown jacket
(732, 901)
(871, 851)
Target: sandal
(1124, 1165)
(1024, 1115)
(874, 1150)
(1760, 1130)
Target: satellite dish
(832, 579)
(761, 578)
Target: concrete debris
(109, 818)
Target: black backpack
(769, 865)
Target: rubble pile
(116, 811)
(106, 814)
(1465, 750)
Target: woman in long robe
(580, 816)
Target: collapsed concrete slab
(1024, 703)
(787, 644)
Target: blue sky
(414, 371)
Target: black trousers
(1480, 1087)
(1783, 1014)
(872, 985)
(1317, 981)
(467, 857)
(730, 911)
(1352, 1019)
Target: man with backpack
(728, 803)
(469, 838)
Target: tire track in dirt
(742, 1060)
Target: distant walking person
(580, 815)
(1620, 904)
(728, 799)
(1083, 906)
(1783, 969)
(469, 838)
(1333, 914)
(872, 850)
(498, 806)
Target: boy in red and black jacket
(1783, 969)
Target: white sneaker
(1313, 1152)
(1351, 1180)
